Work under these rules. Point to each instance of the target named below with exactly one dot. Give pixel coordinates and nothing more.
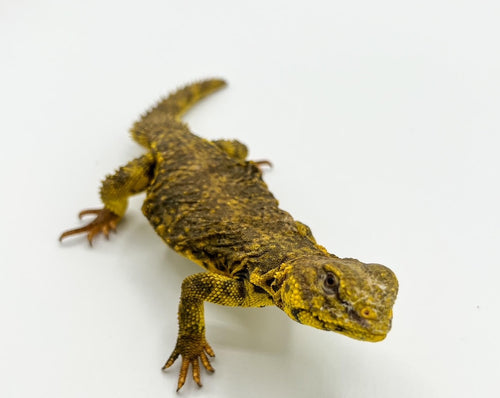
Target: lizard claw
(104, 222)
(84, 213)
(260, 163)
(192, 359)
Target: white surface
(382, 120)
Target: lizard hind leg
(105, 221)
(239, 151)
(233, 148)
(128, 180)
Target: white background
(382, 121)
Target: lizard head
(341, 295)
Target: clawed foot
(104, 222)
(194, 352)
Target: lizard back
(214, 209)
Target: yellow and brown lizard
(209, 203)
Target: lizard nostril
(368, 313)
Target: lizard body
(209, 203)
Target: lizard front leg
(219, 289)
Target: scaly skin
(210, 204)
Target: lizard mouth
(359, 330)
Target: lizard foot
(104, 222)
(191, 354)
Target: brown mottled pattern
(217, 210)
(211, 205)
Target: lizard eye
(330, 283)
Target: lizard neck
(272, 280)
(270, 255)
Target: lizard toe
(104, 222)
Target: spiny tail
(173, 107)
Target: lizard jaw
(358, 329)
(361, 330)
